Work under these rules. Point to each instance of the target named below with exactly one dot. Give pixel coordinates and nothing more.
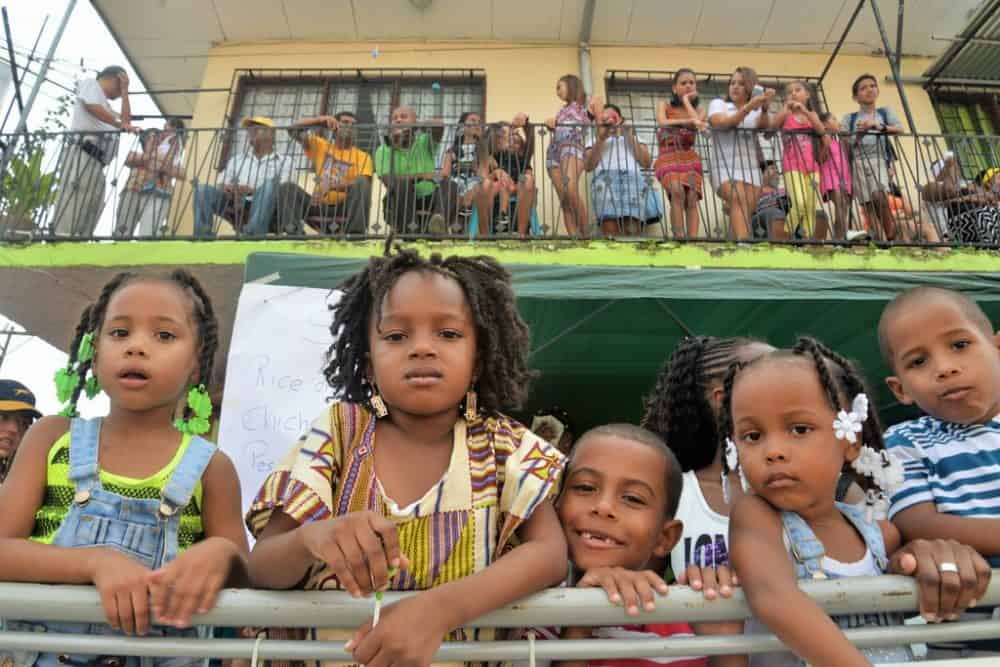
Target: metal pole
(893, 65)
(5, 346)
(22, 122)
(31, 57)
(840, 43)
(585, 28)
(899, 34)
(13, 62)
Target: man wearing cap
(88, 151)
(17, 412)
(248, 186)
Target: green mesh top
(59, 494)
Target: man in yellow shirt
(343, 177)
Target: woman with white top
(734, 161)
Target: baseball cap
(15, 397)
(257, 120)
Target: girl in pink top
(800, 125)
(835, 175)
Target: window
(972, 115)
(638, 93)
(288, 95)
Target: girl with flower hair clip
(792, 421)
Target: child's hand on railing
(626, 588)
(952, 577)
(711, 581)
(190, 583)
(121, 583)
(409, 632)
(359, 547)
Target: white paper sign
(274, 377)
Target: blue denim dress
(807, 553)
(145, 530)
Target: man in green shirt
(406, 163)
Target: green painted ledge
(593, 253)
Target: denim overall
(807, 552)
(145, 530)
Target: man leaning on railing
(248, 190)
(340, 202)
(89, 149)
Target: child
(799, 125)
(678, 168)
(683, 409)
(799, 418)
(161, 504)
(622, 485)
(944, 357)
(513, 151)
(872, 151)
(564, 157)
(467, 163)
(835, 175)
(768, 220)
(415, 468)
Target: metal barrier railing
(203, 183)
(557, 607)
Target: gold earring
(378, 405)
(471, 407)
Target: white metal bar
(581, 607)
(490, 651)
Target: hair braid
(206, 323)
(726, 412)
(503, 341)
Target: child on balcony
(799, 125)
(467, 162)
(134, 503)
(793, 420)
(414, 480)
(835, 175)
(564, 157)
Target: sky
(87, 41)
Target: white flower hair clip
(732, 456)
(732, 463)
(847, 425)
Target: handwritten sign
(274, 376)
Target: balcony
(71, 187)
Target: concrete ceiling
(167, 40)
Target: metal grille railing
(907, 190)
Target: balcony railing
(708, 186)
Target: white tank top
(706, 532)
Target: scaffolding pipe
(840, 42)
(22, 122)
(899, 34)
(894, 66)
(585, 29)
(13, 62)
(31, 57)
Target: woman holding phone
(735, 160)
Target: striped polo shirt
(954, 466)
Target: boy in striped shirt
(945, 357)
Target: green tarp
(601, 334)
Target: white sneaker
(857, 235)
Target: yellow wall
(522, 77)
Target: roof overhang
(169, 42)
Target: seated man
(248, 190)
(343, 178)
(406, 164)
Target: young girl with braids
(683, 409)
(799, 418)
(134, 503)
(414, 479)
